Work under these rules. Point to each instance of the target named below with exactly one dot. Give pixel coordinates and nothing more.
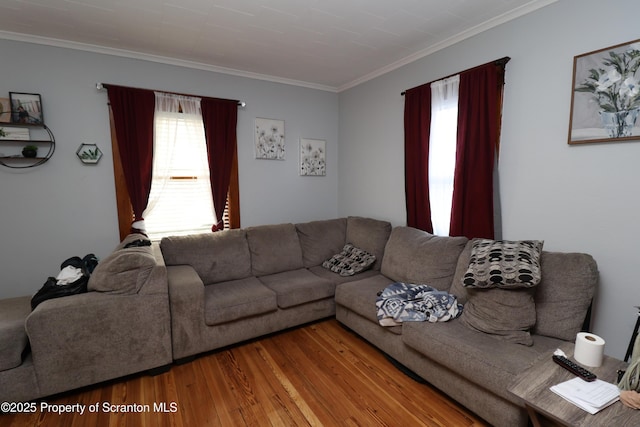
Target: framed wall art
(26, 108)
(605, 96)
(313, 158)
(269, 139)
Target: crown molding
(516, 13)
(501, 19)
(47, 41)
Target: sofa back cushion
(274, 249)
(561, 298)
(568, 284)
(415, 256)
(216, 257)
(370, 235)
(124, 271)
(320, 240)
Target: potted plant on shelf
(30, 151)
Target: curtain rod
(499, 62)
(102, 86)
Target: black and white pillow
(504, 264)
(350, 261)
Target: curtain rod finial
(99, 86)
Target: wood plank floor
(317, 375)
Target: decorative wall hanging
(269, 139)
(89, 153)
(26, 108)
(313, 157)
(605, 98)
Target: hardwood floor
(317, 375)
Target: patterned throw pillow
(504, 264)
(350, 261)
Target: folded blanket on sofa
(404, 302)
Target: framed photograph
(26, 108)
(313, 158)
(605, 96)
(5, 110)
(269, 139)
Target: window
(180, 200)
(132, 118)
(475, 153)
(442, 151)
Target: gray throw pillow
(504, 264)
(350, 261)
(507, 314)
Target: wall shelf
(18, 161)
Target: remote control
(574, 368)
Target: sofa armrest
(92, 337)
(186, 296)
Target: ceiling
(326, 44)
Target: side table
(545, 407)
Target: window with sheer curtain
(180, 200)
(442, 151)
(463, 194)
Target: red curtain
(478, 127)
(133, 111)
(417, 126)
(220, 118)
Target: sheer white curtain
(442, 151)
(180, 200)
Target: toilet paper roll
(589, 349)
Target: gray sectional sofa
(214, 290)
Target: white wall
(64, 208)
(576, 198)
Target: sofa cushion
(321, 239)
(350, 261)
(13, 337)
(274, 249)
(568, 284)
(491, 363)
(370, 235)
(216, 257)
(237, 299)
(124, 271)
(508, 314)
(504, 264)
(360, 296)
(298, 287)
(415, 256)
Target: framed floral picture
(313, 160)
(605, 97)
(269, 138)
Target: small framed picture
(26, 108)
(269, 139)
(313, 158)
(89, 153)
(5, 110)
